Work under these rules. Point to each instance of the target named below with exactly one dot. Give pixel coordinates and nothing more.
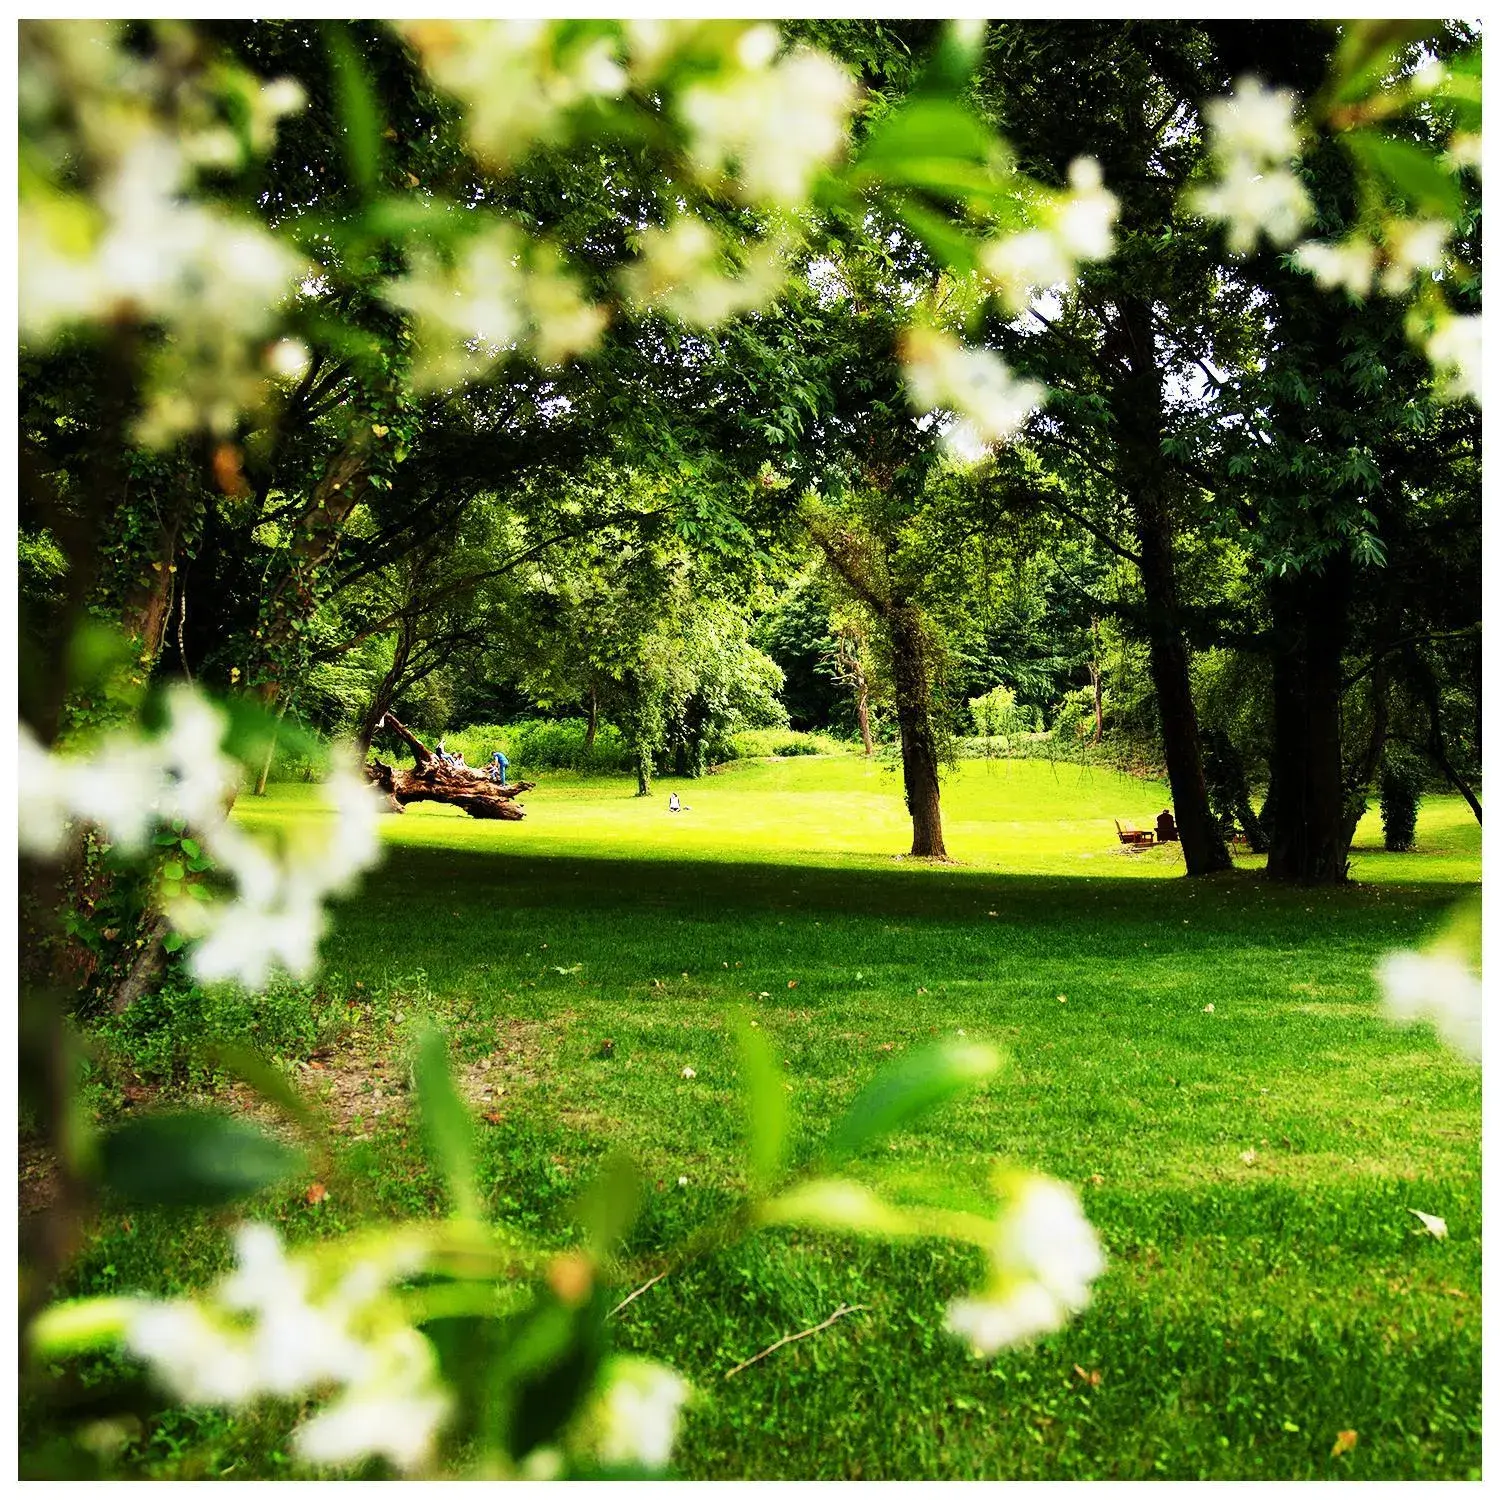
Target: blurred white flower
(975, 383)
(1455, 348)
(1466, 150)
(1253, 138)
(1044, 1257)
(288, 359)
(516, 79)
(1347, 263)
(991, 1324)
(265, 1330)
(775, 124)
(636, 1413)
(1085, 219)
(1251, 202)
(1412, 246)
(1438, 987)
(1021, 264)
(678, 272)
(1254, 122)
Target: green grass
(1253, 1308)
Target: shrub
(1400, 796)
(749, 744)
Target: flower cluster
(129, 786)
(773, 122)
(1439, 987)
(501, 293)
(1043, 1258)
(679, 273)
(516, 79)
(132, 246)
(633, 1415)
(269, 1329)
(1253, 138)
(991, 402)
(1074, 226)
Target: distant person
(1166, 828)
(444, 758)
(499, 767)
(674, 804)
(458, 760)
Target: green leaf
(1368, 51)
(191, 849)
(358, 112)
(247, 1064)
(926, 130)
(608, 1206)
(172, 870)
(950, 244)
(767, 1115)
(173, 941)
(829, 1203)
(1415, 174)
(925, 1078)
(446, 1123)
(194, 1157)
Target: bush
(532, 745)
(1400, 795)
(749, 744)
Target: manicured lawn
(1249, 1167)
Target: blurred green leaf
(248, 1065)
(608, 1206)
(1414, 173)
(446, 1123)
(1368, 51)
(357, 109)
(917, 1083)
(925, 131)
(194, 1157)
(767, 1114)
(550, 1367)
(830, 1203)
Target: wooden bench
(1130, 834)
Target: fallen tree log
(434, 780)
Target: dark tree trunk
(432, 781)
(642, 771)
(919, 756)
(593, 729)
(1309, 843)
(1139, 405)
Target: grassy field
(1249, 1166)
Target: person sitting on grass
(1166, 828)
(674, 804)
(499, 767)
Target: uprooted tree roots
(432, 780)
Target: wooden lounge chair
(1130, 834)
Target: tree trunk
(919, 758)
(593, 729)
(862, 712)
(265, 770)
(1139, 404)
(642, 771)
(1309, 845)
(457, 786)
(1096, 678)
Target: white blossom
(1252, 202)
(635, 1415)
(1043, 1259)
(515, 78)
(1412, 246)
(975, 383)
(1085, 219)
(1254, 122)
(1253, 140)
(989, 1325)
(266, 1330)
(1438, 987)
(1455, 348)
(1347, 263)
(776, 123)
(288, 359)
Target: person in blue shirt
(499, 767)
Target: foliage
(1401, 785)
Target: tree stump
(433, 781)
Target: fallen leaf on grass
(791, 984)
(688, 1073)
(316, 1193)
(493, 1116)
(1435, 1226)
(1249, 1157)
(1344, 1442)
(1093, 1377)
(573, 970)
